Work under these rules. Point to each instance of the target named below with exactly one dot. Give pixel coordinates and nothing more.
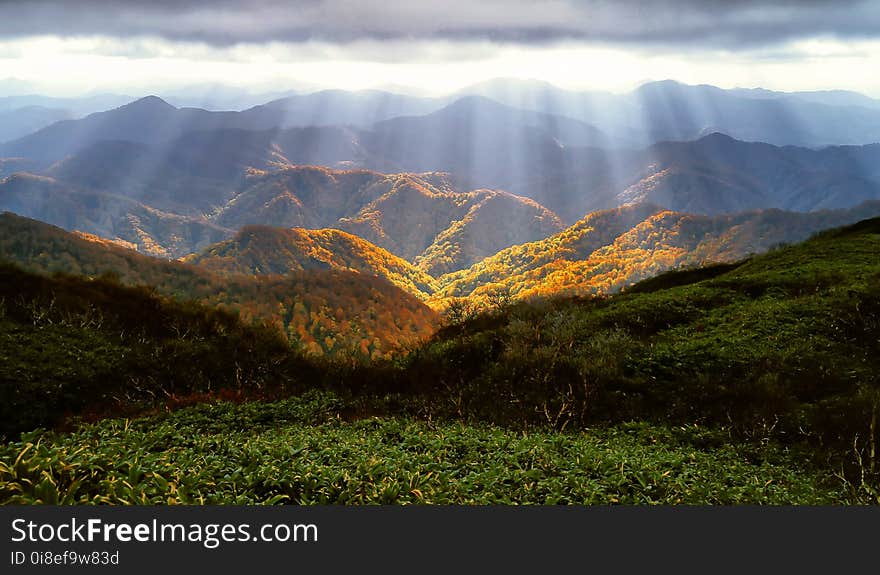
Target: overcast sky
(74, 46)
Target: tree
(459, 311)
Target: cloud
(726, 24)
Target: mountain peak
(149, 103)
(718, 137)
(660, 85)
(508, 84)
(475, 103)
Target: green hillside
(71, 347)
(753, 382)
(786, 344)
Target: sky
(68, 47)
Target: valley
(511, 293)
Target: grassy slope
(767, 369)
(299, 451)
(70, 346)
(786, 345)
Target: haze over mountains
(509, 185)
(669, 110)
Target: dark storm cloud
(699, 23)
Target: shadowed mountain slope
(324, 311)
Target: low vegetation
(755, 382)
(70, 346)
(300, 451)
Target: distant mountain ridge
(712, 175)
(19, 122)
(670, 110)
(192, 161)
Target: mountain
(149, 120)
(609, 250)
(199, 172)
(712, 175)
(827, 97)
(418, 217)
(20, 122)
(483, 143)
(494, 221)
(323, 311)
(266, 250)
(527, 264)
(594, 107)
(127, 221)
(342, 108)
(669, 110)
(674, 111)
(130, 191)
(718, 174)
(483, 118)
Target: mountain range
(191, 162)
(217, 181)
(603, 253)
(670, 110)
(418, 217)
(513, 188)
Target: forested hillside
(262, 250)
(610, 250)
(323, 311)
